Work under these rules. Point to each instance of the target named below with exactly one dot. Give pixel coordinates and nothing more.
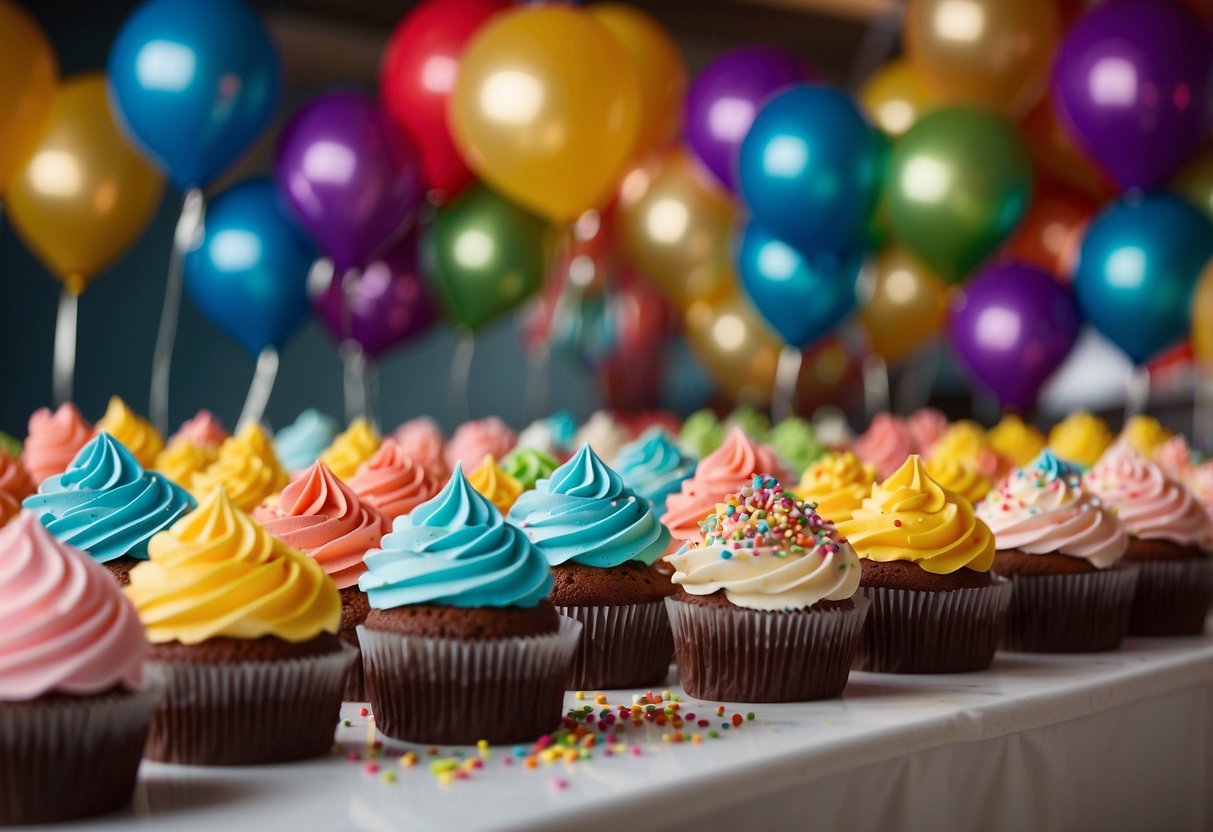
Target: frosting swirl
(217, 574)
(499, 487)
(926, 425)
(1081, 438)
(54, 440)
(1016, 440)
(755, 424)
(837, 483)
(1177, 459)
(965, 442)
(301, 443)
(352, 448)
(394, 482)
(796, 443)
(528, 466)
(474, 440)
(15, 486)
(132, 430)
(422, 441)
(653, 467)
(885, 444)
(247, 469)
(1144, 434)
(959, 477)
(204, 430)
(10, 445)
(701, 433)
(540, 436)
(1151, 505)
(183, 458)
(604, 434)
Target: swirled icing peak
(1144, 434)
(473, 440)
(54, 440)
(965, 442)
(499, 487)
(204, 430)
(529, 466)
(1081, 437)
(1151, 505)
(654, 467)
(960, 477)
(183, 458)
(604, 434)
(15, 486)
(553, 435)
(247, 469)
(422, 440)
(1016, 440)
(394, 482)
(926, 426)
(701, 433)
(351, 448)
(132, 430)
(796, 443)
(885, 444)
(755, 423)
(837, 484)
(1177, 458)
(301, 443)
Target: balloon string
(461, 376)
(537, 398)
(1137, 392)
(64, 365)
(259, 391)
(876, 393)
(787, 373)
(185, 237)
(370, 375)
(353, 357)
(1202, 407)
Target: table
(1111, 741)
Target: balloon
(958, 183)
(1202, 317)
(907, 304)
(547, 109)
(803, 297)
(675, 225)
(483, 256)
(736, 346)
(1055, 155)
(1195, 183)
(84, 195)
(196, 83)
(1138, 265)
(418, 75)
(726, 97)
(985, 52)
(1133, 80)
(808, 168)
(27, 86)
(663, 77)
(249, 273)
(349, 179)
(895, 97)
(1051, 232)
(1012, 328)
(641, 320)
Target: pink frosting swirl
(322, 516)
(885, 444)
(474, 440)
(65, 626)
(422, 441)
(1176, 459)
(926, 425)
(718, 474)
(15, 486)
(1151, 505)
(393, 482)
(204, 430)
(54, 440)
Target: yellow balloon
(27, 86)
(675, 226)
(895, 97)
(739, 350)
(663, 76)
(546, 109)
(1202, 317)
(908, 304)
(997, 53)
(83, 195)
(1195, 183)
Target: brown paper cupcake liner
(1172, 597)
(623, 646)
(355, 683)
(1085, 612)
(453, 691)
(248, 713)
(64, 757)
(922, 631)
(734, 654)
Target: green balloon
(958, 183)
(483, 256)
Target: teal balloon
(249, 273)
(1137, 269)
(803, 297)
(809, 168)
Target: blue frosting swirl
(1052, 467)
(106, 504)
(455, 550)
(584, 514)
(654, 467)
(563, 427)
(301, 443)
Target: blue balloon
(809, 168)
(195, 82)
(803, 297)
(1138, 266)
(249, 274)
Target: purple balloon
(1133, 82)
(351, 180)
(388, 304)
(727, 95)
(1012, 329)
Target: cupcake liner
(452, 691)
(923, 631)
(67, 757)
(247, 713)
(736, 654)
(1076, 613)
(355, 682)
(1172, 597)
(622, 646)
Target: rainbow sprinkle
(763, 518)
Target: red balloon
(418, 75)
(1051, 232)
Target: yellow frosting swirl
(132, 430)
(246, 469)
(1081, 437)
(216, 573)
(1016, 440)
(911, 517)
(498, 487)
(837, 483)
(1145, 434)
(351, 448)
(959, 477)
(182, 459)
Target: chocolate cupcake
(601, 541)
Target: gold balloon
(895, 97)
(739, 350)
(546, 109)
(1202, 317)
(27, 86)
(907, 307)
(1195, 183)
(997, 53)
(83, 195)
(675, 226)
(663, 76)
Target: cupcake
(1144, 434)
(1178, 460)
(601, 541)
(393, 482)
(796, 443)
(183, 458)
(836, 484)
(701, 434)
(473, 440)
(1062, 549)
(203, 430)
(654, 467)
(1170, 537)
(54, 440)
(926, 559)
(132, 430)
(244, 642)
(462, 643)
(499, 487)
(15, 486)
(107, 505)
(421, 440)
(553, 436)
(959, 477)
(529, 466)
(756, 425)
(1016, 440)
(926, 426)
(830, 425)
(767, 609)
(965, 442)
(301, 443)
(73, 711)
(602, 433)
(351, 448)
(1080, 438)
(885, 444)
(246, 468)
